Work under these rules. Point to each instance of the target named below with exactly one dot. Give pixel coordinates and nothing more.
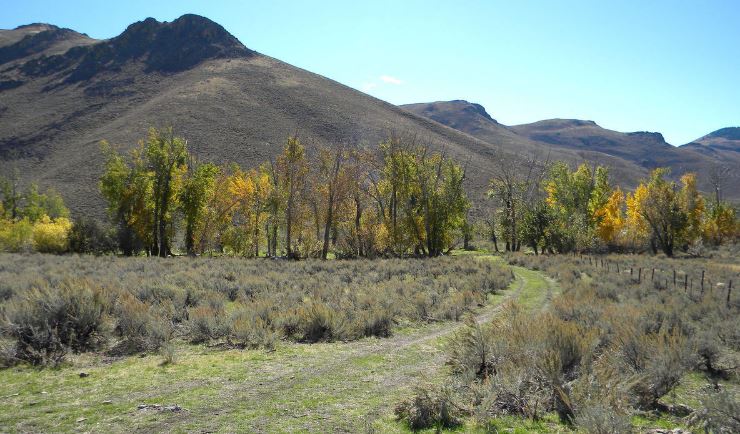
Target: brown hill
(231, 103)
(474, 120)
(725, 141)
(631, 155)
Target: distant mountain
(631, 155)
(644, 148)
(725, 139)
(473, 119)
(64, 92)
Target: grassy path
(325, 387)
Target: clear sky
(630, 65)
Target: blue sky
(667, 66)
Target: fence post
(617, 267)
(702, 282)
(685, 282)
(639, 275)
(674, 278)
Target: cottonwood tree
(126, 189)
(609, 218)
(693, 205)
(442, 198)
(166, 157)
(661, 209)
(515, 186)
(334, 187)
(217, 214)
(251, 191)
(536, 221)
(718, 175)
(292, 168)
(196, 188)
(574, 197)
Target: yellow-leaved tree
(636, 228)
(610, 218)
(693, 204)
(721, 224)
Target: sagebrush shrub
(427, 409)
(142, 327)
(602, 419)
(206, 323)
(46, 322)
(719, 413)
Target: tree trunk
(289, 223)
(358, 217)
(327, 225)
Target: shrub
(16, 236)
(719, 413)
(376, 321)
(254, 333)
(668, 360)
(90, 236)
(602, 419)
(205, 324)
(471, 350)
(319, 322)
(140, 326)
(168, 352)
(50, 236)
(427, 409)
(45, 322)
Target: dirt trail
(338, 389)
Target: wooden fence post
(674, 278)
(685, 282)
(652, 275)
(702, 282)
(639, 275)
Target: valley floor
(323, 387)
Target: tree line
(549, 207)
(400, 199)
(404, 199)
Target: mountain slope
(474, 120)
(231, 103)
(631, 155)
(720, 141)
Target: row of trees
(408, 200)
(401, 199)
(553, 208)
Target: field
(227, 345)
